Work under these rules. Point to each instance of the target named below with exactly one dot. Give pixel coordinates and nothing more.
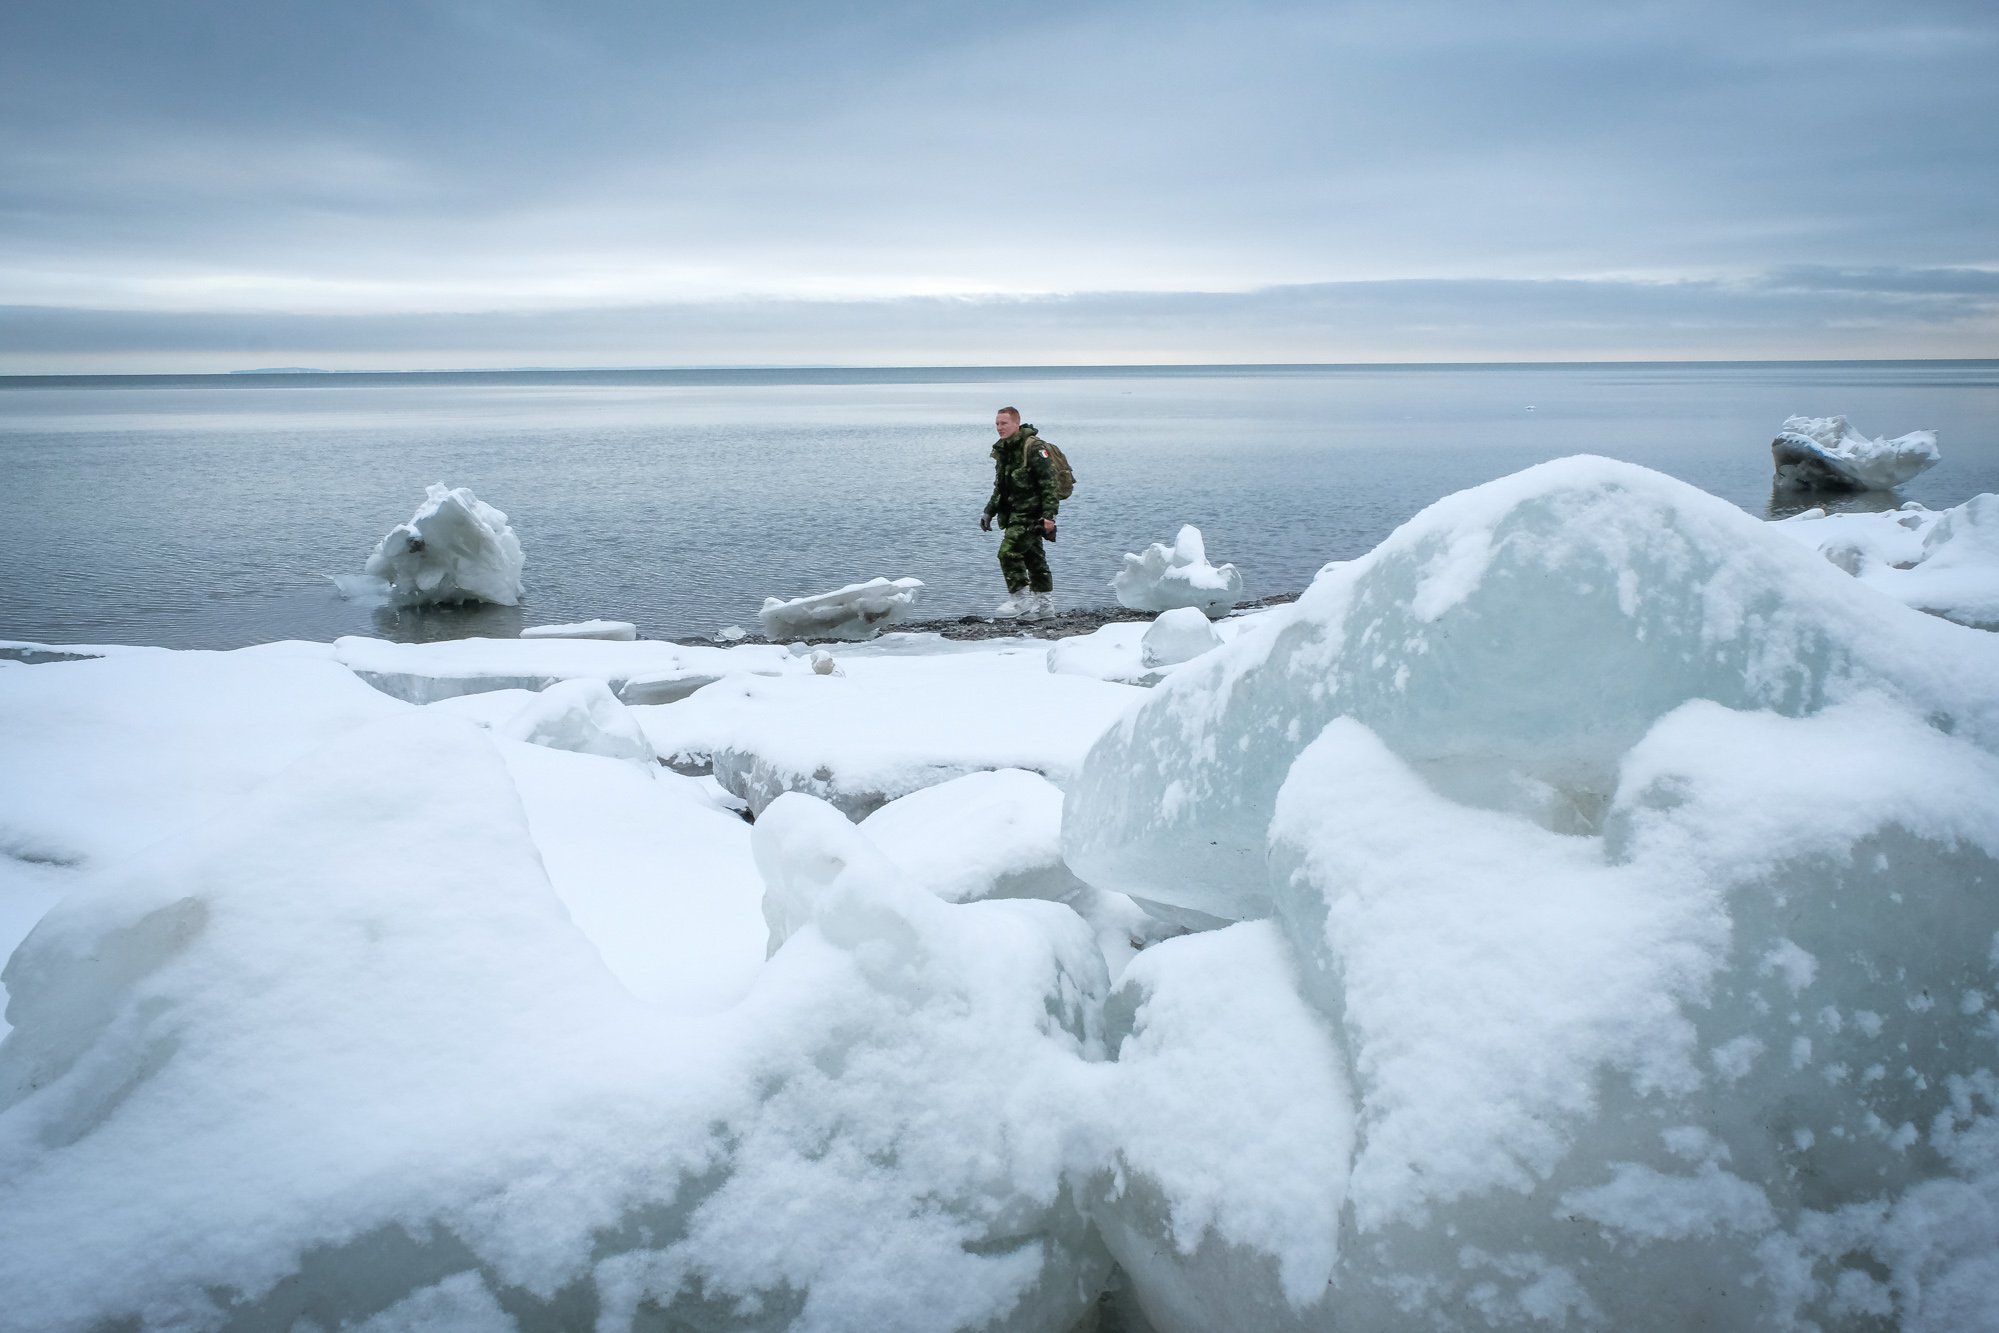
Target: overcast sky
(198, 185)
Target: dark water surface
(208, 511)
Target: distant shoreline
(960, 374)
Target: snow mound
(582, 716)
(455, 548)
(1165, 578)
(856, 611)
(618, 631)
(315, 1065)
(1945, 563)
(985, 835)
(1178, 636)
(1821, 453)
(1110, 652)
(1646, 873)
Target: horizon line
(315, 372)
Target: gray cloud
(1807, 313)
(371, 159)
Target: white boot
(1039, 606)
(1016, 604)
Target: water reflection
(1787, 500)
(465, 620)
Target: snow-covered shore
(1580, 912)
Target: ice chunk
(582, 716)
(891, 725)
(455, 548)
(1958, 576)
(1945, 563)
(1664, 1029)
(1813, 453)
(1110, 652)
(1116, 651)
(1644, 868)
(654, 872)
(662, 687)
(1177, 636)
(619, 631)
(322, 1060)
(985, 835)
(1511, 641)
(426, 672)
(1165, 578)
(853, 612)
(1234, 1126)
(823, 664)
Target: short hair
(1013, 412)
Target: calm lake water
(209, 511)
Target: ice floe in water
(618, 631)
(1825, 453)
(455, 548)
(1164, 578)
(1646, 875)
(856, 611)
(1943, 562)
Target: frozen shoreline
(1579, 906)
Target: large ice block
(1826, 453)
(455, 548)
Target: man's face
(1006, 423)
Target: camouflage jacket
(1023, 480)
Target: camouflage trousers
(1023, 564)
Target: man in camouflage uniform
(1024, 500)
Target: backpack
(1065, 476)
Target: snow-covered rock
(455, 548)
(985, 835)
(1164, 578)
(1817, 453)
(1647, 874)
(1177, 636)
(618, 631)
(582, 716)
(1943, 562)
(853, 612)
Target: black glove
(985, 522)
